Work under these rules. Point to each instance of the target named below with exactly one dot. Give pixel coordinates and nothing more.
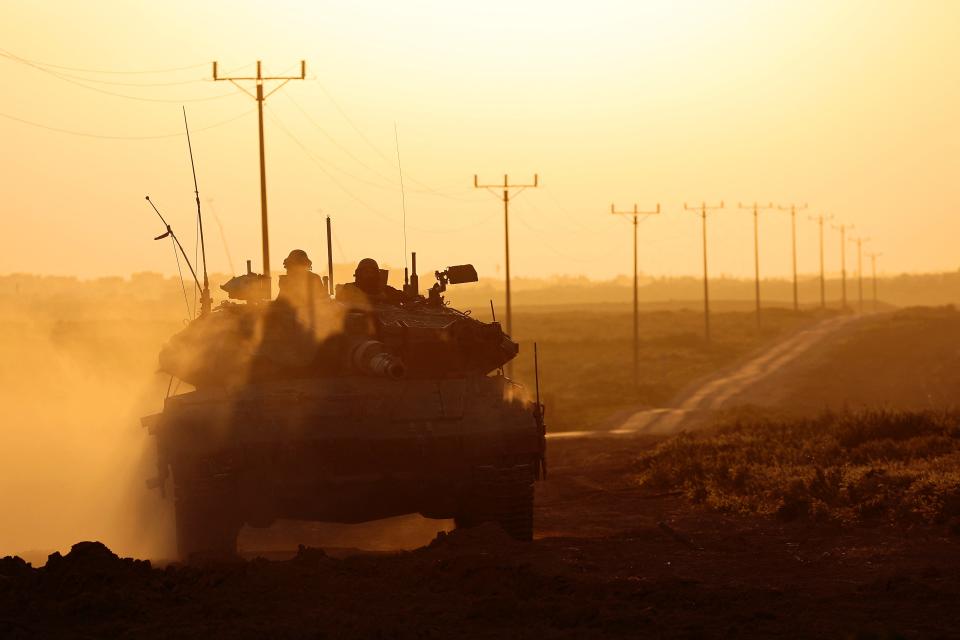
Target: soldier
(368, 285)
(300, 286)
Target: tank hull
(348, 449)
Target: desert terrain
(799, 481)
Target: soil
(610, 560)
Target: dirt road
(694, 405)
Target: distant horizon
(515, 279)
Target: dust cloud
(73, 456)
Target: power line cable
(389, 184)
(111, 137)
(71, 80)
(332, 140)
(377, 150)
(8, 54)
(321, 165)
(322, 168)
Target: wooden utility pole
(873, 269)
(793, 240)
(636, 310)
(860, 242)
(756, 248)
(842, 228)
(823, 280)
(506, 186)
(259, 96)
(703, 208)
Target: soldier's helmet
(367, 267)
(297, 258)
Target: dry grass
(870, 466)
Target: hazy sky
(851, 107)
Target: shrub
(847, 467)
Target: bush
(863, 466)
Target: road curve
(715, 393)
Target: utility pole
(260, 97)
(793, 239)
(756, 248)
(703, 208)
(873, 265)
(823, 281)
(506, 186)
(636, 311)
(860, 242)
(843, 261)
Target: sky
(849, 107)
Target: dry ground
(665, 536)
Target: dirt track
(694, 405)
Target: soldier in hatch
(301, 287)
(369, 285)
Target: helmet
(297, 258)
(367, 265)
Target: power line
(403, 196)
(842, 228)
(333, 141)
(873, 262)
(793, 238)
(112, 137)
(636, 307)
(322, 165)
(823, 280)
(259, 79)
(860, 242)
(506, 186)
(8, 54)
(756, 249)
(375, 148)
(70, 80)
(703, 208)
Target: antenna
(170, 233)
(329, 258)
(205, 292)
(403, 196)
(538, 414)
(223, 235)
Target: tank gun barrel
(371, 357)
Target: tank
(346, 408)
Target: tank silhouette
(370, 404)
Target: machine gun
(457, 274)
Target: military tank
(345, 407)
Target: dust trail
(73, 456)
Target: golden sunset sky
(850, 106)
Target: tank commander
(301, 287)
(369, 285)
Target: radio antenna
(170, 233)
(403, 197)
(205, 293)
